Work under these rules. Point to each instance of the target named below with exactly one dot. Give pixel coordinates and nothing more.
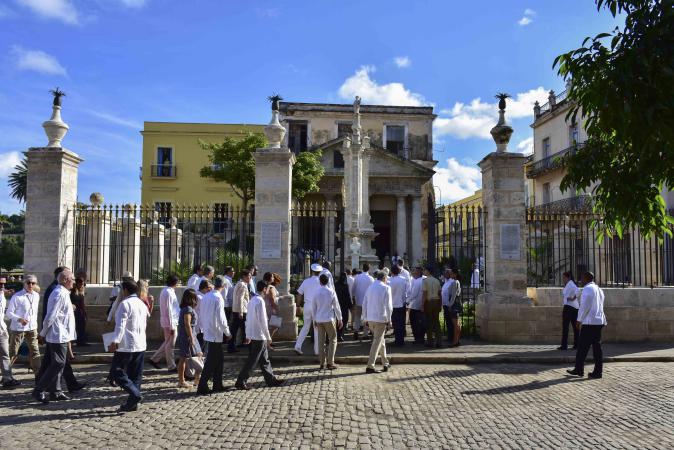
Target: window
(546, 147)
(395, 139)
(164, 167)
(343, 129)
(573, 134)
(220, 217)
(337, 160)
(546, 193)
(298, 136)
(164, 210)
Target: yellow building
(172, 159)
(460, 228)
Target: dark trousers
(68, 376)
(447, 313)
(345, 320)
(590, 335)
(212, 367)
(127, 371)
(417, 322)
(569, 317)
(398, 320)
(228, 315)
(80, 327)
(53, 363)
(257, 351)
(238, 323)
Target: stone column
(130, 245)
(366, 223)
(98, 246)
(51, 195)
(329, 229)
(173, 238)
(156, 240)
(415, 254)
(401, 225)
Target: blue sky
(125, 61)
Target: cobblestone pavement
(420, 406)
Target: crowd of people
(217, 310)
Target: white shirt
(257, 327)
(406, 275)
(378, 305)
(570, 291)
(399, 290)
(308, 289)
(444, 292)
(475, 279)
(415, 299)
(193, 281)
(331, 281)
(454, 291)
(3, 305)
(360, 285)
(591, 311)
(349, 282)
(212, 318)
(169, 308)
(24, 305)
(130, 323)
(228, 292)
(59, 323)
(325, 306)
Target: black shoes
(41, 397)
(58, 396)
(128, 408)
(275, 382)
(154, 364)
(242, 386)
(562, 348)
(77, 387)
(574, 372)
(9, 384)
(386, 368)
(218, 389)
(370, 370)
(594, 376)
(203, 392)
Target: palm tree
(18, 181)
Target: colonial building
(400, 166)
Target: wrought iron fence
(558, 242)
(457, 241)
(153, 241)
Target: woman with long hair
(455, 307)
(187, 343)
(144, 294)
(77, 299)
(345, 302)
(271, 296)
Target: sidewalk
(470, 352)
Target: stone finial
(537, 109)
(55, 127)
(356, 128)
(552, 99)
(502, 131)
(274, 131)
(173, 221)
(96, 199)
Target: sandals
(184, 386)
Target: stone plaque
(510, 241)
(270, 239)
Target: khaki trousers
(330, 329)
(16, 338)
(378, 344)
(166, 348)
(432, 310)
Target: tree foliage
(18, 181)
(307, 172)
(622, 85)
(11, 253)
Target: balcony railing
(579, 203)
(163, 171)
(551, 162)
(558, 99)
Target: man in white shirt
(240, 301)
(22, 310)
(208, 274)
(417, 318)
(445, 297)
(404, 273)
(327, 267)
(257, 332)
(308, 290)
(58, 329)
(228, 292)
(591, 320)
(324, 311)
(169, 310)
(8, 380)
(360, 285)
(399, 292)
(377, 310)
(193, 281)
(214, 327)
(569, 311)
(129, 344)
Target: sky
(122, 62)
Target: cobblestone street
(421, 406)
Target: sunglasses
(30, 282)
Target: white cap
(315, 267)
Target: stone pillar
(157, 247)
(415, 254)
(329, 229)
(401, 225)
(98, 246)
(130, 245)
(366, 224)
(51, 195)
(173, 239)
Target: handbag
(275, 321)
(457, 307)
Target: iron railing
(577, 203)
(554, 161)
(559, 98)
(153, 242)
(164, 171)
(559, 242)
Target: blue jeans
(398, 319)
(127, 371)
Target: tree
(18, 181)
(11, 253)
(622, 85)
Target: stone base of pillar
(504, 319)
(288, 311)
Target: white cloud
(527, 18)
(7, 163)
(62, 10)
(372, 92)
(456, 181)
(37, 61)
(475, 119)
(116, 120)
(402, 61)
(526, 146)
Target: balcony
(552, 162)
(555, 100)
(163, 171)
(579, 203)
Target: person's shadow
(531, 386)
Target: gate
(456, 240)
